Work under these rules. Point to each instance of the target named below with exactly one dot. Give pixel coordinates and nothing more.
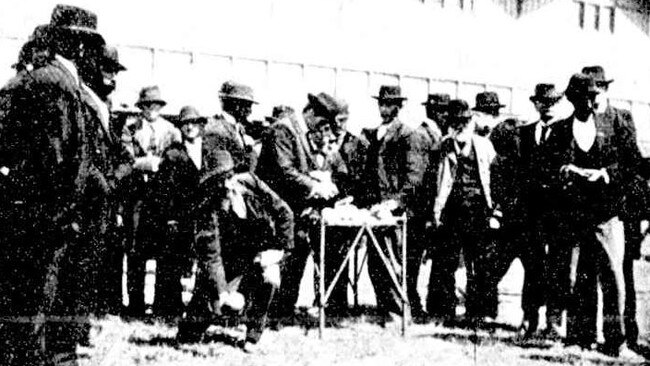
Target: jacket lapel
(392, 130)
(483, 157)
(88, 100)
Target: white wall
(386, 41)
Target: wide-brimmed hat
(390, 92)
(581, 84)
(598, 73)
(487, 101)
(150, 95)
(218, 162)
(189, 114)
(111, 60)
(458, 108)
(437, 99)
(546, 93)
(234, 90)
(75, 20)
(323, 104)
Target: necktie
(544, 134)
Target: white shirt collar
(103, 108)
(194, 150)
(584, 133)
(68, 65)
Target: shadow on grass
(486, 337)
(575, 359)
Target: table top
(355, 217)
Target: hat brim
(487, 107)
(86, 32)
(194, 120)
(553, 99)
(388, 98)
(162, 103)
(436, 104)
(604, 81)
(227, 96)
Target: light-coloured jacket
(447, 166)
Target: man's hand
(569, 171)
(325, 190)
(231, 300)
(269, 257)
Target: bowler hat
(111, 59)
(437, 99)
(390, 92)
(581, 84)
(217, 162)
(234, 90)
(598, 73)
(189, 114)
(76, 20)
(323, 104)
(486, 101)
(459, 108)
(150, 95)
(545, 93)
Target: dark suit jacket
(285, 162)
(269, 225)
(44, 143)
(614, 149)
(353, 153)
(539, 172)
(227, 137)
(175, 192)
(43, 139)
(394, 167)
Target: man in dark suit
(229, 127)
(599, 158)
(243, 230)
(47, 157)
(172, 199)
(431, 132)
(528, 190)
(632, 212)
(393, 171)
(114, 162)
(286, 164)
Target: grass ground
(359, 340)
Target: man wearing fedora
(287, 164)
(229, 127)
(598, 159)
(169, 211)
(463, 217)
(529, 193)
(434, 126)
(147, 136)
(243, 231)
(392, 172)
(46, 157)
(632, 211)
(114, 162)
(487, 109)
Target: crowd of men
(80, 188)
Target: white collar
(584, 133)
(70, 66)
(104, 115)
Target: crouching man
(243, 229)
